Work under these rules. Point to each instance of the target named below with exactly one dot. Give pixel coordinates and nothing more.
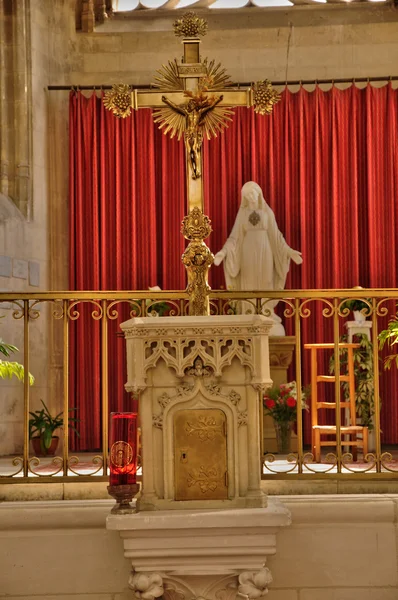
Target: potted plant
(280, 403)
(42, 426)
(360, 308)
(364, 377)
(9, 369)
(153, 308)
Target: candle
(123, 448)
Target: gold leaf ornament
(264, 97)
(196, 226)
(118, 100)
(190, 26)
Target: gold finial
(264, 97)
(196, 226)
(197, 259)
(118, 100)
(190, 26)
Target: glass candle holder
(123, 448)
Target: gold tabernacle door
(200, 454)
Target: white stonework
(201, 553)
(183, 363)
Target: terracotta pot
(51, 450)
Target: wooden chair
(349, 429)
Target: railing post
(337, 389)
(297, 333)
(104, 383)
(26, 387)
(65, 386)
(376, 388)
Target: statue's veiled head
(252, 196)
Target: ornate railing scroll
(43, 320)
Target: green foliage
(13, 369)
(9, 369)
(154, 308)
(364, 377)
(358, 304)
(7, 349)
(390, 336)
(42, 424)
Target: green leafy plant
(390, 336)
(9, 369)
(43, 425)
(364, 377)
(153, 308)
(358, 304)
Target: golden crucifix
(194, 113)
(193, 99)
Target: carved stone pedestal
(182, 555)
(201, 382)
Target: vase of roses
(280, 403)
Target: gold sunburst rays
(175, 124)
(170, 121)
(169, 78)
(216, 121)
(216, 76)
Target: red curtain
(327, 164)
(127, 200)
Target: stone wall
(337, 548)
(301, 43)
(26, 228)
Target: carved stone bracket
(248, 584)
(253, 584)
(146, 586)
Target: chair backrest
(318, 377)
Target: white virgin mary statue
(256, 255)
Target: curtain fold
(327, 164)
(124, 235)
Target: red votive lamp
(123, 460)
(123, 448)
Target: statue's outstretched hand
(295, 255)
(219, 257)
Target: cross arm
(148, 98)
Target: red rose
(284, 392)
(269, 403)
(291, 401)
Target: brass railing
(39, 324)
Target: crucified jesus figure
(194, 111)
